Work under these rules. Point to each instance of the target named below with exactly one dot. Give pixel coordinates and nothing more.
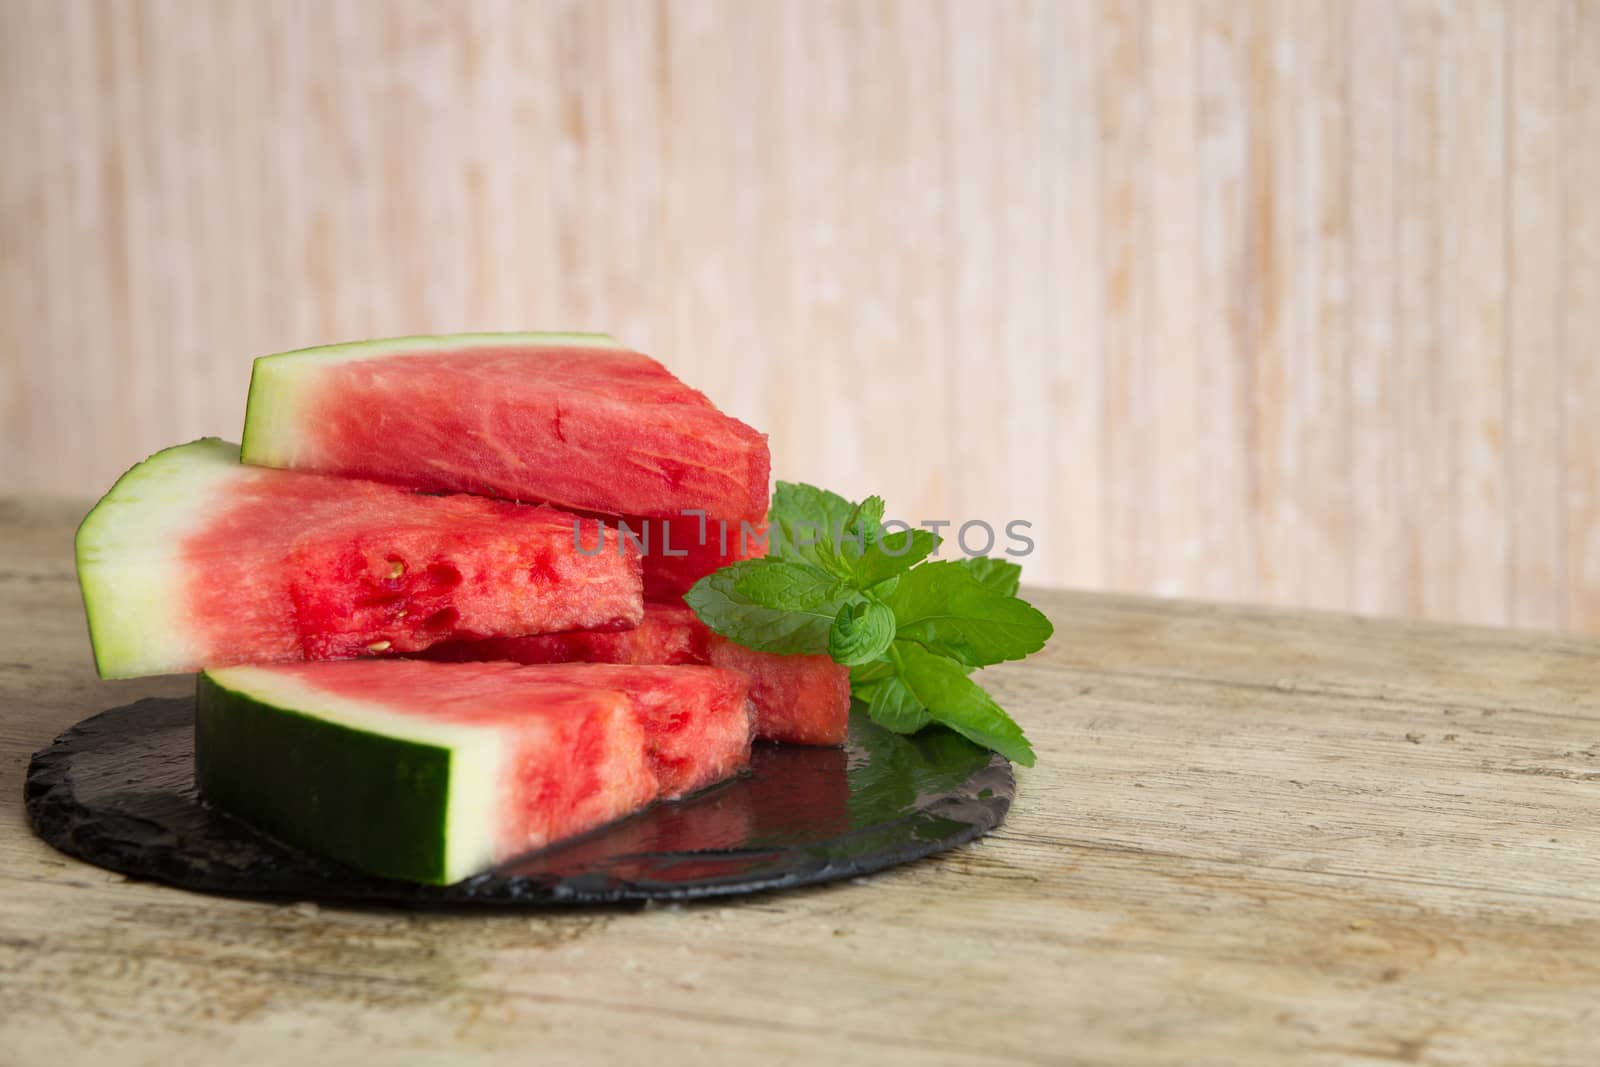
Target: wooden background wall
(1284, 301)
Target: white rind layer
(280, 383)
(129, 552)
(478, 755)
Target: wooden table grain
(1252, 836)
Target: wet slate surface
(118, 791)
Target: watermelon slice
(799, 699)
(574, 420)
(429, 772)
(193, 560)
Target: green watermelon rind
(391, 794)
(274, 407)
(129, 563)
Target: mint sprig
(912, 630)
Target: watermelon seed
(396, 568)
(378, 646)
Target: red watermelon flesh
(696, 720)
(195, 560)
(667, 634)
(799, 699)
(577, 421)
(679, 553)
(803, 700)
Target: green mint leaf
(801, 521)
(786, 586)
(867, 516)
(770, 605)
(893, 706)
(958, 702)
(893, 554)
(997, 575)
(944, 607)
(861, 633)
(849, 541)
(863, 675)
(811, 525)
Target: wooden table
(1252, 837)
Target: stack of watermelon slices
(455, 498)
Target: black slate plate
(118, 791)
